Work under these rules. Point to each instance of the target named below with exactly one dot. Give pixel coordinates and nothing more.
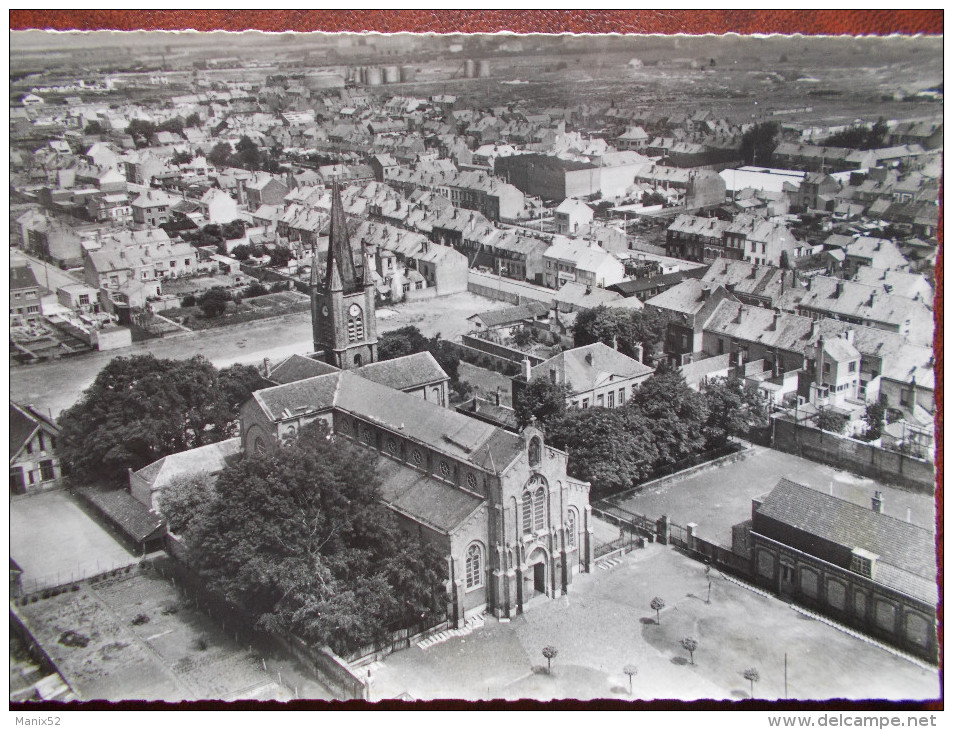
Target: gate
(677, 535)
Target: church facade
(513, 526)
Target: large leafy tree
(622, 328)
(610, 447)
(214, 301)
(541, 399)
(734, 409)
(300, 539)
(409, 340)
(759, 142)
(141, 408)
(676, 414)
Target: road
(47, 275)
(55, 386)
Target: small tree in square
(630, 671)
(550, 653)
(751, 674)
(689, 644)
(657, 605)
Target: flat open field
(144, 640)
(53, 540)
(605, 623)
(718, 497)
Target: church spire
(340, 256)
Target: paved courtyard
(53, 540)
(605, 623)
(720, 496)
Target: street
(56, 385)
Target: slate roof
(122, 509)
(511, 315)
(22, 277)
(590, 366)
(440, 428)
(907, 553)
(211, 459)
(426, 499)
(403, 373)
(687, 297)
(299, 367)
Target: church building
(514, 527)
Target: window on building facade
(571, 528)
(472, 481)
(600, 400)
(46, 470)
(527, 513)
(860, 565)
(610, 400)
(539, 509)
(474, 566)
(621, 396)
(852, 367)
(585, 402)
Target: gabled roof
(209, 459)
(590, 366)
(510, 315)
(22, 277)
(428, 423)
(906, 551)
(404, 373)
(299, 367)
(126, 512)
(24, 423)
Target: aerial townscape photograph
(415, 367)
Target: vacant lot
(134, 636)
(53, 540)
(605, 623)
(720, 496)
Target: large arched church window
(527, 513)
(571, 528)
(474, 566)
(355, 324)
(539, 509)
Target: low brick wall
(502, 351)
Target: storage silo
(482, 68)
(469, 68)
(374, 76)
(408, 73)
(391, 74)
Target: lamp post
(708, 576)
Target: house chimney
(267, 367)
(476, 404)
(809, 283)
(497, 399)
(527, 369)
(589, 358)
(877, 502)
(849, 336)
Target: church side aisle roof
(405, 372)
(422, 497)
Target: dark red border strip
(810, 22)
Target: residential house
(596, 375)
(261, 189)
(52, 239)
(571, 215)
(588, 264)
(443, 268)
(152, 208)
(880, 253)
(34, 462)
(691, 304)
(25, 295)
(218, 206)
(115, 208)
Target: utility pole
(785, 675)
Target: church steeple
(342, 304)
(340, 255)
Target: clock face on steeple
(354, 311)
(324, 310)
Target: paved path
(58, 384)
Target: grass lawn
(605, 623)
(720, 496)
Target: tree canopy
(759, 142)
(140, 409)
(542, 399)
(213, 301)
(860, 137)
(610, 447)
(622, 328)
(300, 539)
(409, 340)
(734, 409)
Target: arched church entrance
(535, 576)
